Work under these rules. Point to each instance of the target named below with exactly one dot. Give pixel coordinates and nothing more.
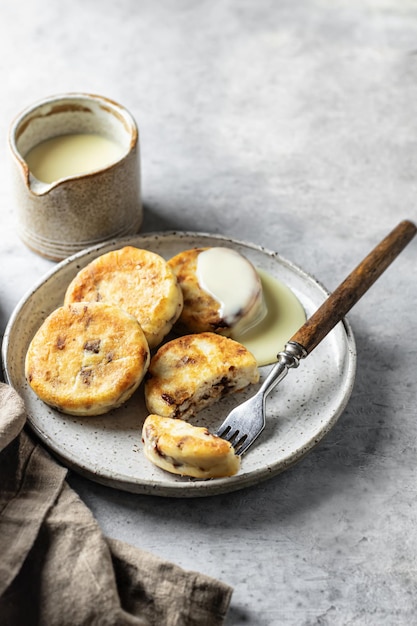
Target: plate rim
(190, 488)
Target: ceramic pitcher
(59, 218)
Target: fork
(245, 423)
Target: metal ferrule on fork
(288, 358)
(292, 354)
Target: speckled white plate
(108, 449)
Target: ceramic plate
(108, 449)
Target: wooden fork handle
(353, 287)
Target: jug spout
(38, 187)
(32, 184)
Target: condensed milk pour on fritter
(274, 312)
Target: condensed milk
(274, 312)
(72, 155)
(285, 315)
(232, 280)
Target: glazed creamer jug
(76, 173)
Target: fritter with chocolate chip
(180, 448)
(87, 358)
(139, 281)
(191, 372)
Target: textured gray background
(292, 125)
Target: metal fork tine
(231, 436)
(223, 431)
(246, 443)
(234, 437)
(239, 441)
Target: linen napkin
(56, 566)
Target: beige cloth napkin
(56, 566)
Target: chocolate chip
(60, 343)
(92, 346)
(86, 374)
(167, 398)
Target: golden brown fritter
(138, 281)
(87, 358)
(191, 372)
(180, 448)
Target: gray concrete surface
(292, 125)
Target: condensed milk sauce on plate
(233, 281)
